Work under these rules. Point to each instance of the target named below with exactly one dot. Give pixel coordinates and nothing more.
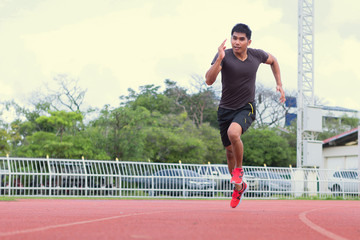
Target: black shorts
(243, 116)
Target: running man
(238, 67)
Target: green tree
(173, 139)
(266, 146)
(4, 142)
(149, 98)
(210, 137)
(176, 124)
(61, 136)
(61, 121)
(333, 126)
(201, 106)
(352, 122)
(41, 144)
(122, 129)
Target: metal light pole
(305, 71)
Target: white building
(342, 151)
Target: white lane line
(71, 224)
(317, 228)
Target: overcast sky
(113, 45)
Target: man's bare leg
(230, 158)
(231, 163)
(235, 151)
(234, 133)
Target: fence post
(183, 178)
(10, 175)
(342, 183)
(86, 176)
(50, 175)
(268, 179)
(213, 179)
(312, 181)
(119, 182)
(292, 181)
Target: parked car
(68, 175)
(100, 185)
(268, 183)
(221, 175)
(178, 182)
(16, 185)
(345, 181)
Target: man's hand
(221, 50)
(282, 97)
(214, 70)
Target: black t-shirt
(238, 77)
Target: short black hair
(242, 28)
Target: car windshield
(275, 176)
(177, 173)
(189, 173)
(204, 170)
(350, 175)
(170, 172)
(346, 174)
(266, 175)
(224, 170)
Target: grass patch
(8, 198)
(219, 196)
(327, 198)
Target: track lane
(177, 219)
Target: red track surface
(179, 219)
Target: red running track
(179, 219)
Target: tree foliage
(264, 146)
(149, 125)
(4, 142)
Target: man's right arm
(214, 70)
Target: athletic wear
(243, 116)
(237, 195)
(237, 176)
(238, 77)
(237, 100)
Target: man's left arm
(276, 71)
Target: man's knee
(234, 133)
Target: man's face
(239, 42)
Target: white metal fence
(93, 178)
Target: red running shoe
(237, 176)
(236, 196)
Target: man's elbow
(208, 81)
(275, 62)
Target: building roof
(346, 138)
(341, 109)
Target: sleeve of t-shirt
(262, 55)
(214, 60)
